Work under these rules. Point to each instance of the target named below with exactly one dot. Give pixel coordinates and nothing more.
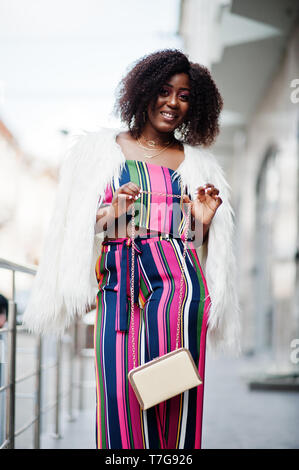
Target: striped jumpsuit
(120, 422)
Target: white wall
(274, 123)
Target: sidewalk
(238, 418)
(77, 434)
(234, 416)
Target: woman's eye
(163, 90)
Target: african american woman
(158, 166)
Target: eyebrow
(179, 88)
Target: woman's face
(171, 105)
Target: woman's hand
(124, 197)
(121, 202)
(205, 204)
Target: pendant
(149, 156)
(151, 143)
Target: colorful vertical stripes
(177, 422)
(161, 213)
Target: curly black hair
(141, 86)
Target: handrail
(22, 268)
(11, 375)
(11, 380)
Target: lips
(168, 116)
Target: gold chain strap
(133, 270)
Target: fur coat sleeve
(217, 255)
(53, 301)
(217, 258)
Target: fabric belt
(126, 259)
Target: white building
(27, 193)
(252, 50)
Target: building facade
(252, 52)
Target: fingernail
(130, 197)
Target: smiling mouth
(169, 116)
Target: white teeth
(168, 115)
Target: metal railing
(40, 368)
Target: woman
(171, 107)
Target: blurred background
(60, 64)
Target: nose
(173, 100)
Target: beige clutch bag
(168, 375)
(164, 377)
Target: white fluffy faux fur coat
(66, 284)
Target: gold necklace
(146, 148)
(152, 143)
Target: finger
(199, 188)
(201, 194)
(212, 192)
(219, 200)
(126, 190)
(123, 199)
(136, 190)
(207, 192)
(133, 187)
(130, 188)
(131, 195)
(130, 185)
(203, 188)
